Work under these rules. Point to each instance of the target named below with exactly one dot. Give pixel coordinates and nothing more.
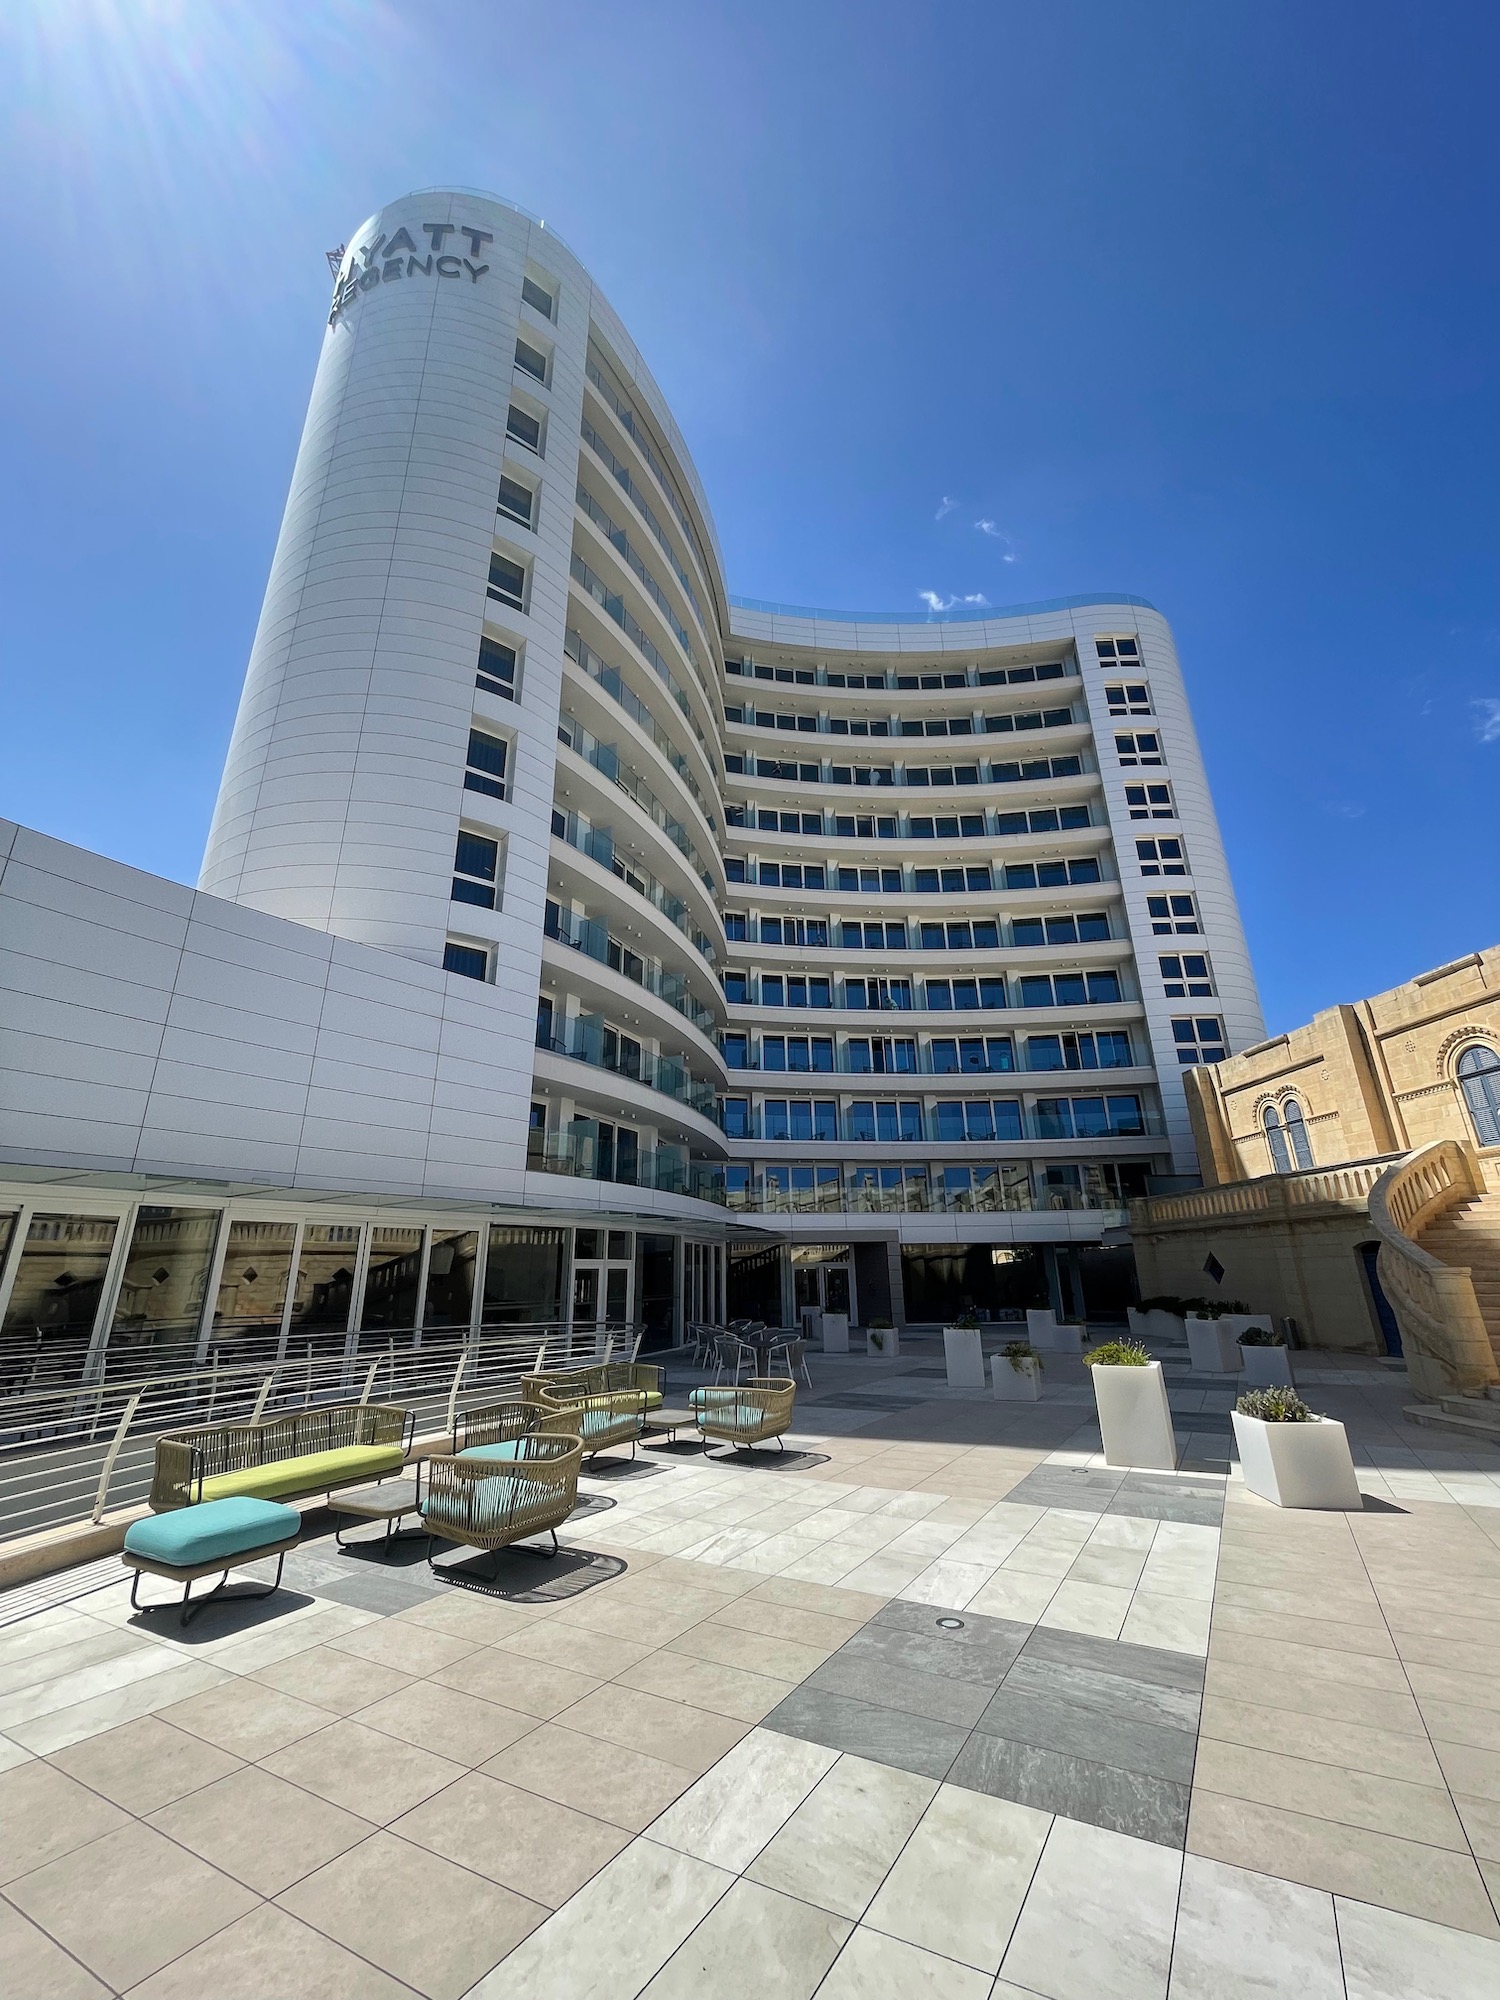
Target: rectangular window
(1187, 977)
(737, 988)
(539, 300)
(772, 990)
(1117, 649)
(497, 669)
(1138, 747)
(1103, 988)
(1161, 857)
(468, 960)
(736, 1052)
(1199, 1039)
(734, 870)
(1036, 990)
(1173, 913)
(737, 1118)
(524, 428)
(508, 582)
(1128, 698)
(735, 926)
(1150, 802)
(476, 867)
(517, 501)
(531, 360)
(486, 765)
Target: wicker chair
(792, 1354)
(627, 1375)
(493, 1428)
(746, 1414)
(480, 1505)
(604, 1416)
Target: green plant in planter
(1019, 1351)
(880, 1324)
(968, 1321)
(1119, 1354)
(1258, 1336)
(1275, 1406)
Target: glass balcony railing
(593, 1153)
(602, 1048)
(981, 1122)
(598, 843)
(605, 759)
(591, 936)
(610, 680)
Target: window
(497, 669)
(1199, 1039)
(508, 582)
(1296, 1132)
(531, 360)
(486, 761)
(1150, 802)
(737, 1118)
(1128, 698)
(736, 1052)
(1186, 977)
(1070, 989)
(468, 960)
(517, 501)
(1140, 747)
(1281, 1159)
(735, 928)
(524, 428)
(1161, 857)
(737, 988)
(476, 866)
(1104, 1051)
(1117, 649)
(1479, 1080)
(539, 300)
(877, 993)
(1173, 913)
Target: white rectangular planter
(1015, 1383)
(1041, 1323)
(1298, 1465)
(1155, 1325)
(964, 1357)
(889, 1343)
(1212, 1347)
(1134, 1418)
(835, 1333)
(1267, 1367)
(1047, 1336)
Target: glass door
(603, 1288)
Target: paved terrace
(934, 1705)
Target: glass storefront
(522, 1276)
(253, 1286)
(391, 1280)
(161, 1293)
(55, 1298)
(450, 1277)
(324, 1288)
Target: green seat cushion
(653, 1399)
(188, 1537)
(308, 1474)
(507, 1448)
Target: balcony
(978, 1122)
(587, 1154)
(598, 843)
(602, 1048)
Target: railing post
(458, 1376)
(106, 1471)
(265, 1391)
(370, 1379)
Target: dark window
(1479, 1079)
(497, 669)
(536, 298)
(508, 582)
(486, 761)
(516, 500)
(531, 359)
(524, 428)
(467, 960)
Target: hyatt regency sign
(389, 258)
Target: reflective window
(1479, 1079)
(166, 1274)
(523, 1276)
(1296, 1132)
(450, 1277)
(64, 1262)
(324, 1285)
(253, 1282)
(391, 1281)
(1281, 1158)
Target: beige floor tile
(735, 1808)
(534, 1687)
(436, 1926)
(958, 1884)
(1318, 1600)
(91, 1717)
(261, 1830)
(576, 1649)
(44, 1814)
(1395, 1874)
(82, 1650)
(465, 1614)
(842, 1604)
(409, 1648)
(645, 1902)
(1459, 1722)
(1480, 1690)
(621, 1786)
(1327, 1633)
(1470, 1770)
(874, 1967)
(448, 1721)
(1387, 1753)
(751, 1944)
(1281, 1660)
(669, 1730)
(1098, 1919)
(538, 1848)
(1481, 1821)
(648, 1625)
(706, 1684)
(284, 1638)
(840, 1843)
(1326, 1791)
(246, 1719)
(1391, 1957)
(129, 1903)
(779, 1659)
(339, 1682)
(34, 1968)
(269, 1955)
(368, 1772)
(124, 1665)
(1332, 1701)
(144, 1764)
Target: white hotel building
(574, 939)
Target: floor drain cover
(951, 1624)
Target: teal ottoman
(215, 1536)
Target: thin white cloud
(1487, 719)
(1343, 809)
(947, 507)
(936, 602)
(996, 534)
(986, 527)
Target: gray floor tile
(1153, 1809)
(1118, 1697)
(884, 1735)
(1152, 1664)
(1088, 1492)
(980, 1649)
(375, 1590)
(867, 1678)
(1200, 1513)
(1051, 1722)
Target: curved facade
(889, 937)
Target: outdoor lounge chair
(488, 1504)
(497, 1431)
(745, 1413)
(605, 1416)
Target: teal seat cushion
(189, 1537)
(507, 1448)
(595, 1421)
(723, 1406)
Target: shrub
(1275, 1406)
(1119, 1354)
(1257, 1336)
(1017, 1351)
(967, 1320)
(879, 1323)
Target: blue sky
(1194, 302)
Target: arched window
(1479, 1079)
(1281, 1159)
(1296, 1131)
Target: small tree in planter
(963, 1353)
(1290, 1455)
(1131, 1396)
(882, 1339)
(1267, 1358)
(1017, 1373)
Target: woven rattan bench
(310, 1451)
